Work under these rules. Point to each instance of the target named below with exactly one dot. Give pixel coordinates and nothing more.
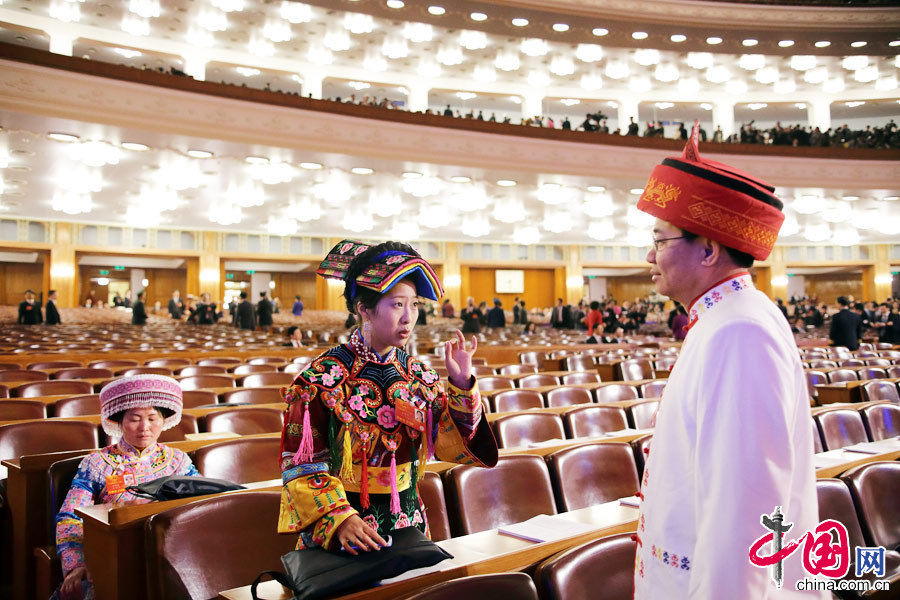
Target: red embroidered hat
(714, 200)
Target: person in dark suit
(294, 337)
(517, 312)
(176, 306)
(52, 312)
(138, 313)
(846, 326)
(246, 316)
(471, 317)
(264, 310)
(559, 315)
(30, 310)
(496, 317)
(206, 311)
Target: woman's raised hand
(458, 359)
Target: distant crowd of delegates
(880, 321)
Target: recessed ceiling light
(136, 146)
(436, 10)
(477, 16)
(677, 37)
(713, 40)
(890, 198)
(395, 4)
(411, 175)
(62, 137)
(706, 106)
(854, 103)
(596, 188)
(599, 31)
(636, 191)
(460, 179)
(750, 42)
(520, 22)
(256, 160)
(894, 44)
(362, 171)
(560, 27)
(247, 71)
(851, 198)
(639, 35)
(506, 182)
(858, 44)
(786, 43)
(822, 44)
(312, 166)
(199, 153)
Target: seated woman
(364, 417)
(136, 410)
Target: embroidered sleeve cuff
(465, 406)
(327, 526)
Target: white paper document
(545, 528)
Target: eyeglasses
(656, 243)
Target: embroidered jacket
(344, 452)
(89, 487)
(732, 441)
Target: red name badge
(407, 413)
(116, 484)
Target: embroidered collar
(128, 450)
(717, 293)
(362, 349)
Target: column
(778, 280)
(417, 100)
(574, 276)
(259, 282)
(312, 84)
(723, 116)
(212, 279)
(61, 42)
(63, 268)
(818, 111)
(452, 277)
(628, 109)
(532, 105)
(882, 278)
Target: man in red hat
(733, 437)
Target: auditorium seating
(817, 436)
(871, 373)
(513, 400)
(242, 460)
(295, 368)
(265, 360)
(636, 368)
(653, 389)
(431, 491)
(836, 502)
(591, 421)
(523, 429)
(598, 570)
(112, 364)
(206, 381)
(483, 371)
(487, 384)
(75, 406)
(881, 390)
(194, 370)
(894, 372)
(4, 391)
(814, 378)
(568, 396)
(592, 474)
(129, 371)
(269, 378)
(200, 548)
(38, 437)
(15, 410)
(581, 363)
(508, 586)
(168, 363)
(841, 427)
(882, 421)
(248, 368)
(51, 388)
(188, 424)
(194, 398)
(515, 490)
(22, 375)
(54, 364)
(253, 395)
(532, 357)
(875, 488)
(616, 392)
(539, 380)
(842, 375)
(642, 415)
(226, 361)
(245, 421)
(82, 373)
(8, 366)
(665, 363)
(517, 369)
(641, 447)
(580, 377)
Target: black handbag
(314, 572)
(173, 487)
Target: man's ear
(711, 250)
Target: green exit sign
(229, 275)
(250, 272)
(104, 271)
(117, 268)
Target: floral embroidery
(717, 294)
(670, 559)
(402, 521)
(371, 521)
(417, 517)
(386, 417)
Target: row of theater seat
(840, 427)
(520, 399)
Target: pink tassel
(364, 484)
(305, 452)
(395, 493)
(429, 424)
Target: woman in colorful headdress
(365, 416)
(135, 410)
